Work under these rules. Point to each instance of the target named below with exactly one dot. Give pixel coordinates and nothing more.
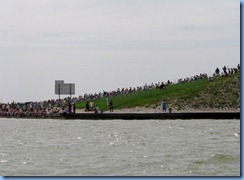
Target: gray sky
(105, 44)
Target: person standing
(74, 108)
(217, 72)
(111, 106)
(225, 72)
(70, 107)
(96, 109)
(164, 106)
(87, 106)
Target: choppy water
(36, 147)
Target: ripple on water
(222, 158)
(4, 160)
(215, 166)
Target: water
(38, 147)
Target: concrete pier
(163, 116)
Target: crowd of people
(193, 78)
(50, 108)
(226, 71)
(160, 85)
(59, 107)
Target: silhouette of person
(111, 106)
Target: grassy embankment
(221, 93)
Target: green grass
(195, 94)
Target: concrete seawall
(141, 116)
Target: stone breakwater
(138, 116)
(148, 116)
(158, 109)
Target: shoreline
(154, 116)
(140, 113)
(136, 116)
(158, 110)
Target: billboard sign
(62, 88)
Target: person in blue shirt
(164, 106)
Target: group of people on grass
(90, 107)
(226, 71)
(159, 85)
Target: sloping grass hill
(220, 93)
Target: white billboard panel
(63, 89)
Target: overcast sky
(109, 44)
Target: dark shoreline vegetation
(221, 92)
